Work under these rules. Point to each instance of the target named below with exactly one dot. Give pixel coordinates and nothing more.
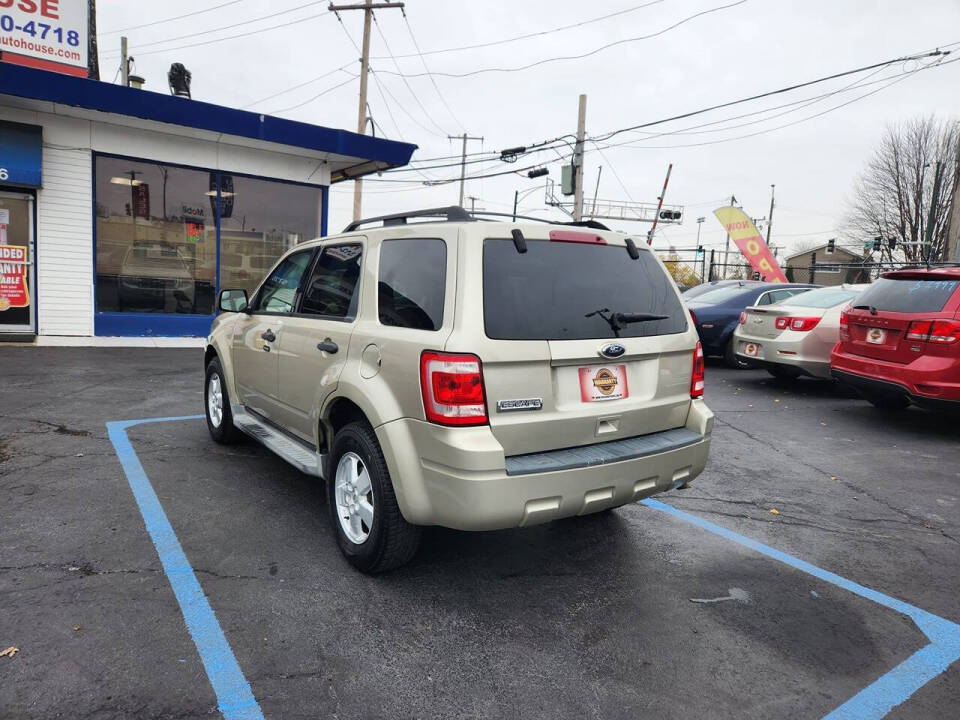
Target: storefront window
(156, 238)
(259, 221)
(157, 233)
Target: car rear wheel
(217, 405)
(889, 402)
(371, 531)
(730, 356)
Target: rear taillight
(693, 317)
(743, 318)
(844, 326)
(800, 324)
(452, 387)
(941, 332)
(697, 379)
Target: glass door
(17, 277)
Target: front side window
(412, 283)
(279, 292)
(575, 291)
(332, 288)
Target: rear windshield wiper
(618, 321)
(871, 308)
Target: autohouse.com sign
(46, 34)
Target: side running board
(297, 453)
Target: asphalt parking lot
(719, 602)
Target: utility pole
(473, 203)
(93, 59)
(932, 217)
(596, 191)
(656, 215)
(952, 241)
(368, 7)
(124, 63)
(726, 252)
(463, 160)
(578, 160)
(770, 216)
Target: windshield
(908, 295)
(570, 291)
(823, 298)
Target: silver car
(795, 336)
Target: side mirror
(233, 300)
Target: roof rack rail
(452, 213)
(593, 224)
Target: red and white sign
(46, 34)
(605, 382)
(13, 277)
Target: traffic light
(699, 251)
(831, 245)
(877, 242)
(538, 172)
(670, 214)
(893, 243)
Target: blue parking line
(234, 697)
(898, 685)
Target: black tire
(391, 541)
(783, 372)
(889, 402)
(225, 432)
(730, 356)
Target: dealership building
(124, 212)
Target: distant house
(832, 268)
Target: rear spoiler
(767, 310)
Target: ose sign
(45, 34)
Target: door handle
(328, 346)
(268, 336)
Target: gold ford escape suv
(474, 375)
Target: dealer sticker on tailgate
(604, 382)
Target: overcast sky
(722, 55)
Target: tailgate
(585, 398)
(881, 336)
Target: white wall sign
(46, 34)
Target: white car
(794, 337)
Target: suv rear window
(555, 290)
(908, 295)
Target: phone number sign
(46, 34)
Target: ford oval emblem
(612, 350)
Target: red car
(900, 341)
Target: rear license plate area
(603, 382)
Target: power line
(433, 81)
(581, 56)
(171, 19)
(233, 37)
(530, 35)
(769, 93)
(406, 82)
(315, 97)
(297, 87)
(229, 27)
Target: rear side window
(908, 295)
(570, 291)
(332, 288)
(412, 283)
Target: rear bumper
(486, 491)
(931, 381)
(875, 386)
(790, 352)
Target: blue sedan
(717, 312)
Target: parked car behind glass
(717, 313)
(900, 340)
(794, 337)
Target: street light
(516, 199)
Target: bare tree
(893, 195)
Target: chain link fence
(820, 273)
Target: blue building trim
(21, 154)
(324, 209)
(103, 97)
(134, 324)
